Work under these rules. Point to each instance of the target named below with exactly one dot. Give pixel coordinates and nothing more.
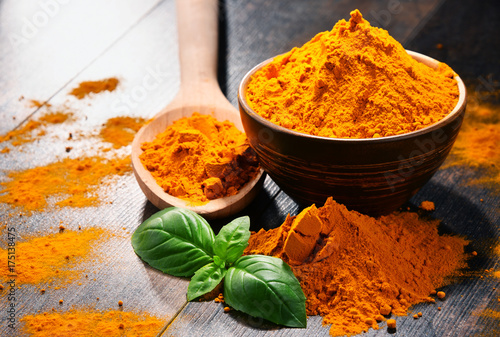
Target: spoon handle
(197, 24)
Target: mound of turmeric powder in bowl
(355, 81)
(199, 159)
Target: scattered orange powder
(87, 87)
(25, 133)
(92, 323)
(491, 313)
(55, 117)
(120, 131)
(37, 104)
(477, 143)
(44, 259)
(73, 181)
(360, 267)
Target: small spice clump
(354, 268)
(111, 323)
(354, 81)
(391, 323)
(427, 206)
(87, 87)
(198, 159)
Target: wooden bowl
(374, 176)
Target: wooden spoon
(199, 92)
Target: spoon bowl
(199, 92)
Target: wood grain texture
(45, 44)
(137, 42)
(120, 274)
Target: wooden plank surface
(119, 273)
(45, 44)
(136, 41)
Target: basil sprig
(180, 242)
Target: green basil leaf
(233, 239)
(205, 280)
(264, 286)
(220, 262)
(176, 241)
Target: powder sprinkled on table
(355, 81)
(44, 259)
(354, 268)
(87, 87)
(199, 158)
(120, 131)
(26, 133)
(74, 181)
(87, 322)
(477, 143)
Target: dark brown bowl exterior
(373, 176)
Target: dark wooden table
(48, 47)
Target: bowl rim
(427, 60)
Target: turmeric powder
(87, 87)
(427, 205)
(95, 323)
(73, 181)
(198, 159)
(120, 131)
(56, 256)
(477, 143)
(354, 81)
(359, 268)
(26, 134)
